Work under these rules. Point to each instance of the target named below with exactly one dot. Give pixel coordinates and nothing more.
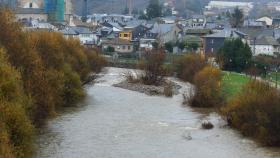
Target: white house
(146, 44)
(266, 20)
(266, 45)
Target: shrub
(42, 72)
(187, 66)
(256, 112)
(16, 129)
(168, 89)
(207, 91)
(153, 68)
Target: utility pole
(130, 7)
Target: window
(30, 5)
(212, 50)
(120, 35)
(128, 47)
(123, 47)
(125, 35)
(212, 41)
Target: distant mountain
(106, 6)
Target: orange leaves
(208, 90)
(256, 112)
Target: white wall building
(265, 45)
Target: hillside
(117, 6)
(106, 6)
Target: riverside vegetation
(39, 73)
(254, 110)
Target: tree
(234, 55)
(110, 49)
(126, 10)
(169, 47)
(16, 130)
(142, 15)
(167, 12)
(237, 18)
(154, 70)
(193, 46)
(154, 9)
(208, 89)
(188, 65)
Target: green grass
(232, 84)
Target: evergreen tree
(237, 18)
(154, 9)
(234, 55)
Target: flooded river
(118, 123)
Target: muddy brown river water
(118, 123)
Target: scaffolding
(55, 10)
(8, 3)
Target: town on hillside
(136, 31)
(139, 78)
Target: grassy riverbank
(232, 84)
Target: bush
(187, 66)
(168, 89)
(16, 129)
(256, 112)
(207, 91)
(153, 68)
(42, 72)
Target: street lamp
(276, 78)
(265, 68)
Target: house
(119, 45)
(85, 35)
(198, 32)
(146, 44)
(116, 27)
(265, 45)
(276, 22)
(126, 35)
(164, 32)
(246, 7)
(254, 23)
(266, 20)
(197, 21)
(31, 13)
(139, 32)
(69, 33)
(213, 42)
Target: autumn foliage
(39, 72)
(188, 65)
(255, 112)
(153, 67)
(207, 91)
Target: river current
(116, 123)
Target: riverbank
(115, 122)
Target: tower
(85, 8)
(55, 10)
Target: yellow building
(126, 35)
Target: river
(118, 123)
